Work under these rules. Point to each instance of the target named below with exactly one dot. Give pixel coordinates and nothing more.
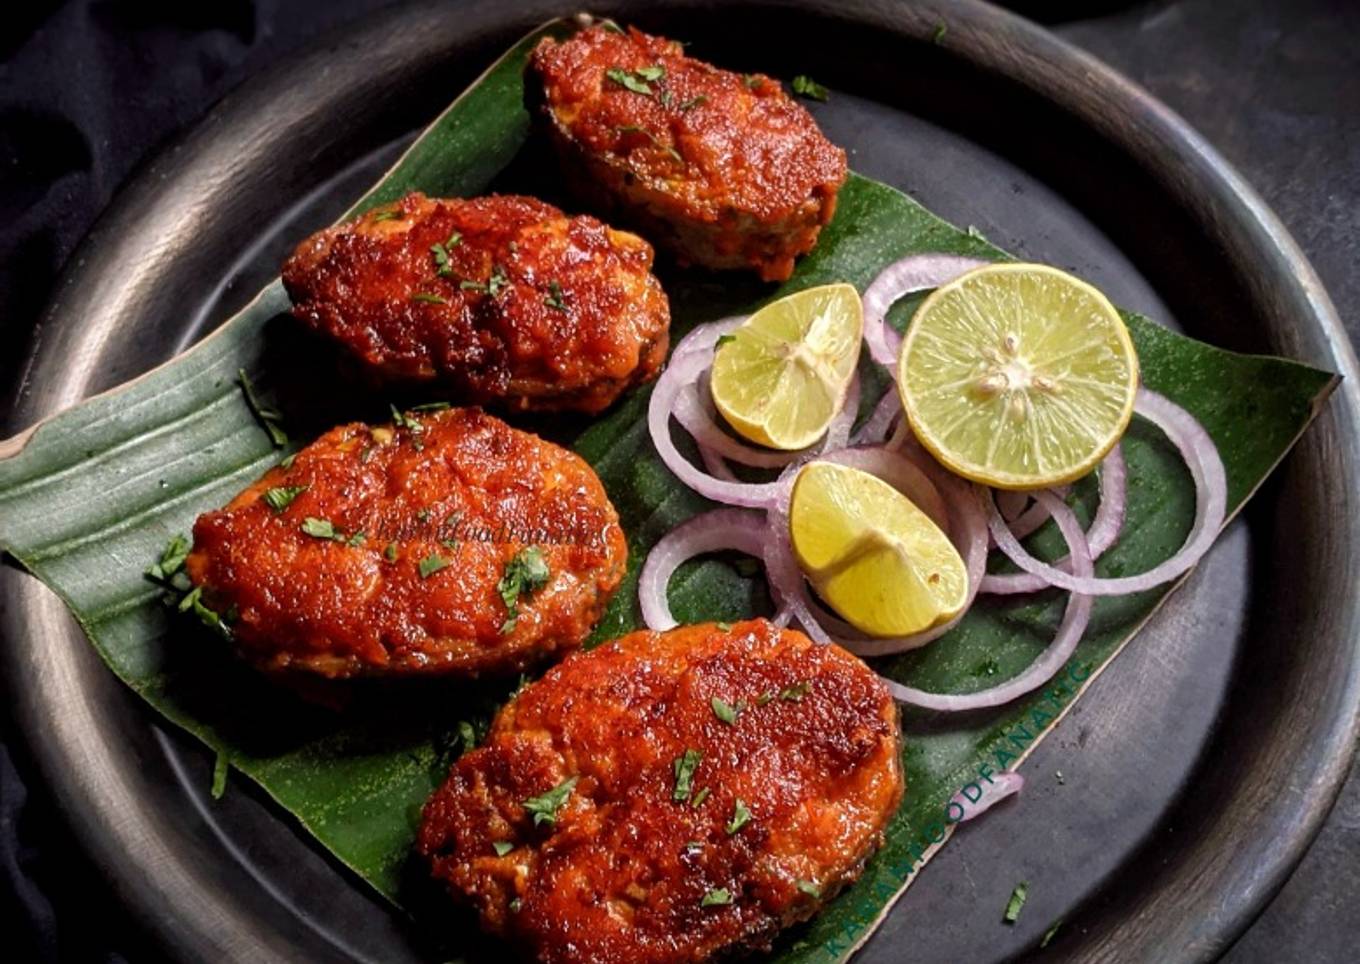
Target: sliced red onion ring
(878, 426)
(916, 272)
(705, 337)
(991, 791)
(683, 370)
(1054, 658)
(1103, 534)
(693, 411)
(669, 397)
(710, 532)
(1211, 500)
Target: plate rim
(137, 856)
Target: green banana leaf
(91, 497)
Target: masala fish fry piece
(448, 543)
(670, 797)
(499, 300)
(724, 169)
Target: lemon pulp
(782, 376)
(879, 561)
(1018, 376)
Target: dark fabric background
(90, 89)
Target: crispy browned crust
(725, 170)
(813, 754)
(578, 319)
(456, 486)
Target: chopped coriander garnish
(554, 298)
(320, 528)
(941, 29)
(805, 86)
(752, 81)
(795, 694)
(716, 897)
(271, 418)
(281, 497)
(1049, 934)
(766, 697)
(492, 286)
(390, 553)
(634, 129)
(428, 298)
(1016, 902)
(611, 26)
(741, 816)
(192, 601)
(219, 781)
(694, 102)
(356, 540)
(725, 711)
(429, 407)
(700, 797)
(386, 216)
(441, 260)
(288, 460)
(545, 807)
(636, 80)
(432, 564)
(684, 766)
(515, 905)
(502, 847)
(693, 847)
(723, 340)
(725, 627)
(172, 557)
(525, 573)
(468, 734)
(190, 598)
(423, 515)
(809, 888)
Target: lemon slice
(1018, 376)
(872, 554)
(781, 377)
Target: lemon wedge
(872, 554)
(1018, 376)
(782, 376)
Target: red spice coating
(577, 320)
(725, 169)
(813, 754)
(327, 607)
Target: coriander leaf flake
(270, 418)
(805, 86)
(1016, 902)
(725, 711)
(281, 497)
(432, 564)
(741, 816)
(684, 767)
(545, 807)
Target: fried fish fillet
(670, 797)
(725, 170)
(450, 543)
(498, 299)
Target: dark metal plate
(1197, 769)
